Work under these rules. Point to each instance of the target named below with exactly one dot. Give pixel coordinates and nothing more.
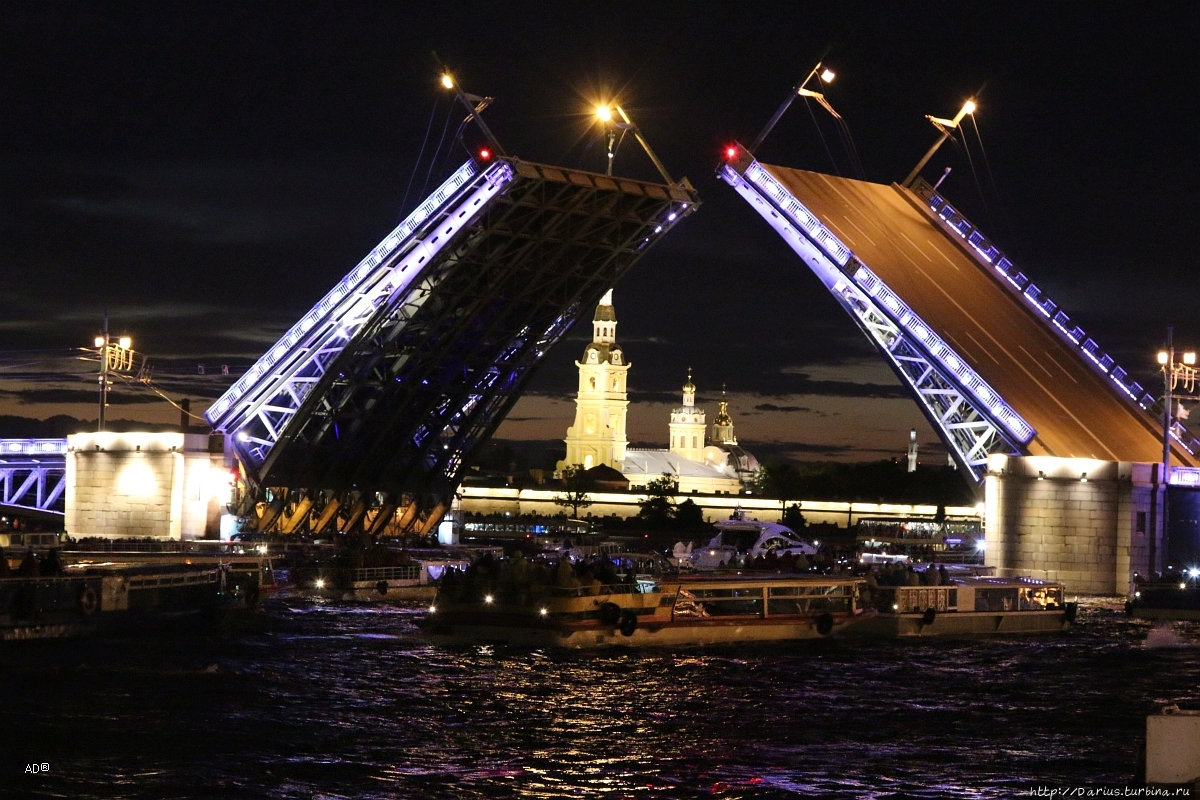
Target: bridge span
(994, 363)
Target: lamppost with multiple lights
(1175, 373)
(116, 352)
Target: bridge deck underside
(439, 367)
(1075, 410)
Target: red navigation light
(485, 154)
(730, 152)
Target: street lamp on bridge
(1175, 374)
(605, 114)
(116, 353)
(945, 126)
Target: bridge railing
(1073, 335)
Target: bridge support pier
(1085, 522)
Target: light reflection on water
(329, 701)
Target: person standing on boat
(29, 566)
(944, 575)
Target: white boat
(742, 538)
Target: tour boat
(92, 597)
(969, 604)
(670, 612)
(1171, 597)
(741, 538)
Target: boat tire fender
(381, 587)
(825, 624)
(89, 601)
(629, 622)
(930, 616)
(1073, 609)
(610, 613)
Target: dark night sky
(208, 170)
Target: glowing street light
(822, 73)
(115, 353)
(604, 113)
(447, 81)
(1174, 373)
(945, 126)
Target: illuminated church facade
(697, 462)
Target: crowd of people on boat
(515, 579)
(48, 566)
(907, 575)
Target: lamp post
(604, 113)
(945, 126)
(115, 351)
(820, 71)
(1174, 373)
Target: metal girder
(33, 474)
(971, 417)
(421, 358)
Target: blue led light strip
(344, 288)
(32, 447)
(1032, 295)
(899, 312)
(891, 304)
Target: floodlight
(1162, 356)
(125, 342)
(828, 75)
(447, 81)
(1189, 358)
(969, 107)
(99, 341)
(604, 113)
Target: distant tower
(722, 430)
(912, 450)
(598, 435)
(687, 425)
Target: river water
(327, 701)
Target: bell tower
(687, 425)
(722, 430)
(598, 435)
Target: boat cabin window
(996, 599)
(810, 590)
(777, 543)
(692, 603)
(1038, 598)
(741, 540)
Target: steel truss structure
(380, 392)
(33, 475)
(970, 416)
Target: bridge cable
(1006, 219)
(821, 133)
(437, 152)
(420, 155)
